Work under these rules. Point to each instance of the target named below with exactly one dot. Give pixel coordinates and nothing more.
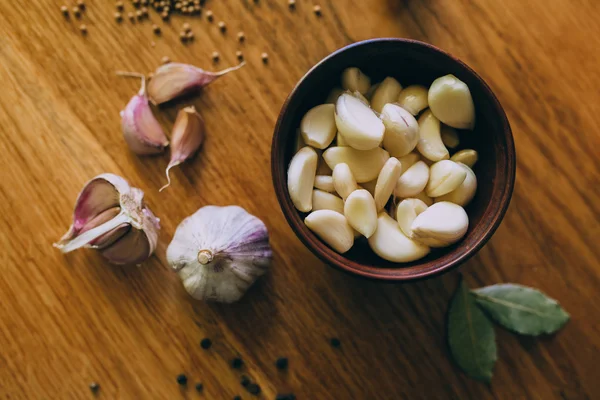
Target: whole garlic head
(219, 252)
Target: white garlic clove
(318, 126)
(356, 94)
(401, 133)
(451, 102)
(343, 180)
(430, 143)
(301, 178)
(326, 201)
(444, 222)
(371, 91)
(333, 95)
(331, 227)
(324, 182)
(424, 198)
(467, 156)
(413, 181)
(406, 212)
(449, 137)
(361, 213)
(431, 242)
(219, 252)
(357, 123)
(339, 140)
(369, 186)
(387, 92)
(389, 243)
(413, 99)
(365, 165)
(444, 177)
(408, 161)
(463, 194)
(386, 182)
(354, 79)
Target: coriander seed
(222, 26)
(209, 16)
(131, 16)
(136, 3)
(94, 387)
(317, 10)
(241, 36)
(292, 4)
(186, 27)
(215, 56)
(178, 6)
(83, 29)
(144, 11)
(139, 14)
(76, 12)
(119, 5)
(144, 2)
(190, 35)
(165, 16)
(81, 4)
(183, 36)
(65, 10)
(118, 16)
(239, 55)
(265, 57)
(156, 29)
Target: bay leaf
(471, 335)
(521, 309)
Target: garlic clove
(371, 91)
(449, 137)
(343, 180)
(463, 194)
(365, 165)
(331, 227)
(324, 182)
(186, 138)
(356, 94)
(467, 156)
(445, 222)
(406, 212)
(408, 161)
(132, 248)
(424, 198)
(333, 95)
(389, 243)
(413, 181)
(326, 201)
(301, 178)
(339, 140)
(451, 102)
(413, 99)
(386, 182)
(387, 92)
(176, 79)
(370, 186)
(354, 79)
(318, 126)
(401, 130)
(430, 143)
(431, 242)
(109, 237)
(361, 213)
(444, 177)
(357, 123)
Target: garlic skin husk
(451, 102)
(176, 79)
(413, 99)
(387, 92)
(111, 216)
(141, 131)
(401, 130)
(186, 138)
(219, 252)
(444, 222)
(389, 243)
(463, 194)
(318, 126)
(357, 123)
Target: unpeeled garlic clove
(389, 243)
(413, 99)
(357, 123)
(401, 133)
(176, 79)
(186, 138)
(365, 165)
(451, 102)
(301, 178)
(444, 177)
(386, 182)
(343, 180)
(467, 156)
(463, 194)
(443, 222)
(318, 126)
(142, 132)
(430, 143)
(413, 181)
(333, 95)
(324, 182)
(387, 92)
(361, 213)
(322, 200)
(406, 212)
(354, 79)
(331, 227)
(449, 137)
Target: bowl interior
(410, 62)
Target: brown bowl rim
(327, 255)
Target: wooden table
(66, 321)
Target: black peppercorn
(253, 389)
(94, 387)
(182, 379)
(237, 363)
(281, 363)
(199, 387)
(206, 343)
(335, 342)
(245, 381)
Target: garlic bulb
(219, 252)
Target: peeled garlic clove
(451, 102)
(401, 130)
(219, 252)
(357, 123)
(354, 79)
(365, 165)
(430, 143)
(424, 198)
(370, 186)
(406, 212)
(333, 95)
(301, 178)
(343, 180)
(324, 182)
(408, 161)
(413, 99)
(444, 177)
(318, 126)
(449, 137)
(326, 201)
(339, 140)
(432, 242)
(331, 227)
(463, 194)
(371, 91)
(360, 97)
(386, 182)
(186, 138)
(468, 157)
(387, 92)
(445, 222)
(413, 181)
(175, 79)
(361, 213)
(389, 243)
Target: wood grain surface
(66, 321)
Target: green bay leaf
(471, 335)
(521, 309)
